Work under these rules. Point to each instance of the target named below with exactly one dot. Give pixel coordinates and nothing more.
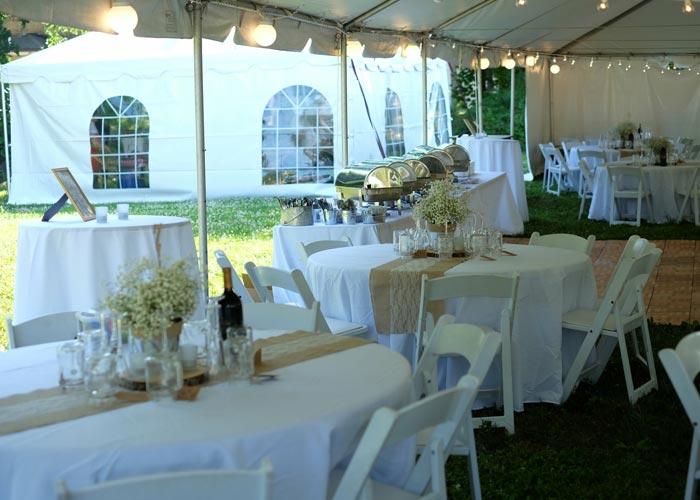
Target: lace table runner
(51, 406)
(395, 291)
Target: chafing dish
(435, 165)
(460, 156)
(408, 176)
(382, 184)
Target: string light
(354, 49)
(603, 5)
(484, 62)
(412, 51)
(554, 68)
(688, 7)
(520, 3)
(590, 64)
(530, 60)
(509, 62)
(122, 18)
(265, 33)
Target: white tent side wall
(53, 101)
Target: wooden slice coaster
(190, 378)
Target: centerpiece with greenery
(656, 144)
(151, 297)
(624, 129)
(443, 206)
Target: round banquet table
(307, 422)
(497, 154)
(66, 264)
(552, 282)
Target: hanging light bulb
(603, 5)
(483, 61)
(520, 3)
(530, 60)
(688, 7)
(354, 49)
(509, 62)
(554, 68)
(122, 18)
(265, 33)
(412, 51)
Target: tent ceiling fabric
(629, 28)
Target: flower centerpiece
(149, 294)
(655, 144)
(443, 206)
(624, 129)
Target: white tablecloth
(65, 264)
(493, 154)
(306, 422)
(662, 182)
(552, 282)
(493, 198)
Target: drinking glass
(495, 243)
(397, 235)
(70, 365)
(163, 375)
(239, 355)
(479, 243)
(445, 245)
(100, 374)
(196, 333)
(123, 211)
(406, 244)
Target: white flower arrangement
(624, 129)
(147, 293)
(443, 204)
(656, 143)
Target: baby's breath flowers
(656, 143)
(443, 204)
(147, 293)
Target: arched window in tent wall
(297, 137)
(119, 136)
(439, 118)
(393, 124)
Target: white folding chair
(49, 328)
(628, 183)
(621, 311)
(479, 347)
(635, 247)
(215, 484)
(443, 412)
(564, 240)
(586, 185)
(592, 158)
(547, 163)
(238, 286)
(690, 190)
(304, 250)
(472, 286)
(566, 145)
(558, 171)
(264, 277)
(682, 365)
(693, 152)
(271, 316)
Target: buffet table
(65, 264)
(552, 282)
(663, 182)
(306, 422)
(495, 154)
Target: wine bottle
(231, 310)
(662, 157)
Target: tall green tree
(496, 101)
(7, 46)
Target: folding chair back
(270, 316)
(41, 330)
(682, 365)
(305, 250)
(565, 241)
(688, 191)
(628, 183)
(558, 170)
(182, 485)
(586, 184)
(238, 286)
(265, 277)
(442, 412)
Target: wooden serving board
(190, 378)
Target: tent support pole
(478, 98)
(424, 89)
(5, 135)
(344, 97)
(199, 124)
(512, 102)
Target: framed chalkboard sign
(75, 194)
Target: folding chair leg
(626, 368)
(572, 377)
(691, 481)
(474, 481)
(635, 393)
(604, 349)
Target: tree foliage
(56, 34)
(496, 101)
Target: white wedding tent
(54, 95)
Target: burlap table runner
(395, 291)
(42, 407)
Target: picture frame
(75, 194)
